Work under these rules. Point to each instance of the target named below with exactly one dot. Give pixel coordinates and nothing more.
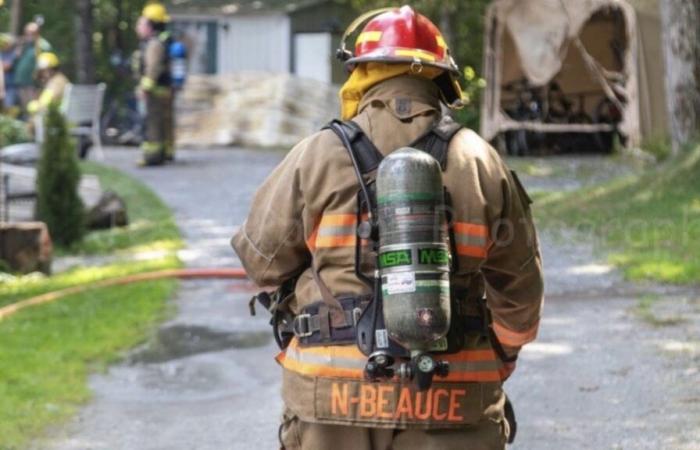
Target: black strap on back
(435, 142)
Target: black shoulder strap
(362, 149)
(436, 142)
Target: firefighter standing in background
(155, 86)
(52, 80)
(302, 234)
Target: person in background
(7, 56)
(53, 81)
(31, 45)
(155, 85)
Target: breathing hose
(183, 274)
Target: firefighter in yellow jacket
(54, 83)
(155, 87)
(308, 228)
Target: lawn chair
(82, 106)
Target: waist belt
(312, 326)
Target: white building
(274, 36)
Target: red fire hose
(183, 274)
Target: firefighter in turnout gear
(155, 87)
(313, 232)
(53, 81)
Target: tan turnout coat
(305, 213)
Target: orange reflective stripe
(471, 239)
(342, 351)
(337, 219)
(311, 241)
(471, 229)
(318, 370)
(346, 361)
(470, 250)
(334, 230)
(335, 241)
(514, 338)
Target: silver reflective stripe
(465, 239)
(337, 230)
(307, 357)
(325, 360)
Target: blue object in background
(178, 63)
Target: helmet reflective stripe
(368, 36)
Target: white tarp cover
(541, 37)
(543, 29)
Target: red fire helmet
(402, 36)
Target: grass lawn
(649, 224)
(47, 352)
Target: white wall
(312, 58)
(254, 43)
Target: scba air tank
(413, 252)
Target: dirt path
(599, 377)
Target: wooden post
(16, 17)
(3, 206)
(84, 55)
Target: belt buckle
(299, 330)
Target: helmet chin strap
(343, 53)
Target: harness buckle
(356, 313)
(302, 325)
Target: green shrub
(12, 131)
(58, 177)
(472, 85)
(659, 146)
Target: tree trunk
(681, 47)
(16, 17)
(85, 59)
(3, 206)
(446, 11)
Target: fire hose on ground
(183, 274)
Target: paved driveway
(598, 377)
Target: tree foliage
(113, 39)
(58, 177)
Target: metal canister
(413, 252)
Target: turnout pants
(298, 435)
(159, 133)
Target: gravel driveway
(599, 377)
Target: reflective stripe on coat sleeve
(513, 338)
